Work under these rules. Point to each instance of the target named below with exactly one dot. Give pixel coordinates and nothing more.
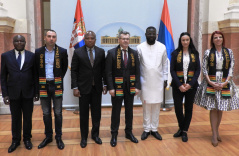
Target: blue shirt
(49, 64)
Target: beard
(151, 41)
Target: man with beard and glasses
(153, 77)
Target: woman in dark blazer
(185, 70)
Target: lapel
(96, 56)
(13, 57)
(86, 56)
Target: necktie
(92, 64)
(19, 58)
(125, 58)
(91, 58)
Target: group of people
(125, 73)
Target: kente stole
(212, 71)
(57, 74)
(119, 79)
(191, 67)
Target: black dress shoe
(13, 146)
(131, 137)
(156, 135)
(144, 135)
(83, 143)
(113, 141)
(178, 134)
(45, 142)
(28, 144)
(60, 143)
(184, 137)
(97, 140)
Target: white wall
(97, 14)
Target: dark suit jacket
(110, 68)
(13, 80)
(175, 82)
(82, 73)
(63, 61)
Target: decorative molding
(229, 25)
(6, 24)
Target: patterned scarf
(57, 74)
(191, 67)
(119, 74)
(212, 71)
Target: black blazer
(175, 82)
(82, 73)
(15, 81)
(63, 58)
(110, 67)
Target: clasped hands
(217, 86)
(184, 87)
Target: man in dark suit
(52, 63)
(87, 74)
(18, 80)
(123, 82)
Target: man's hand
(112, 92)
(136, 91)
(104, 90)
(76, 92)
(36, 98)
(6, 100)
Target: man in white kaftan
(153, 77)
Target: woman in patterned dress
(217, 92)
(185, 70)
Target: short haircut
(15, 37)
(50, 30)
(124, 33)
(90, 32)
(151, 27)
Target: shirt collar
(88, 49)
(50, 51)
(122, 49)
(18, 51)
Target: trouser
(93, 99)
(116, 109)
(46, 108)
(184, 120)
(151, 116)
(18, 107)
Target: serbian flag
(165, 36)
(78, 32)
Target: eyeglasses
(219, 38)
(125, 39)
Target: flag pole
(164, 104)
